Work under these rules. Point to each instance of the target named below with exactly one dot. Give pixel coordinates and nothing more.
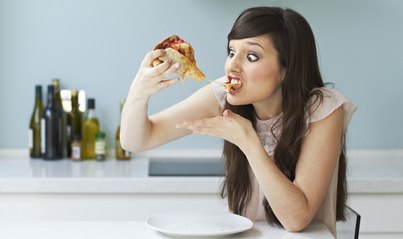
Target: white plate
(184, 225)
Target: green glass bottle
(120, 153)
(35, 125)
(90, 129)
(75, 117)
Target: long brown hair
(293, 39)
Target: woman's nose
(233, 64)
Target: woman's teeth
(235, 81)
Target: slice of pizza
(231, 85)
(182, 52)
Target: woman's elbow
(296, 225)
(295, 228)
(124, 142)
(128, 145)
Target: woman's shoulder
(331, 100)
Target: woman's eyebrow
(255, 44)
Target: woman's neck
(270, 107)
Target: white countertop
(20, 174)
(25, 175)
(135, 229)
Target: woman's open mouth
(232, 84)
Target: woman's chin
(234, 101)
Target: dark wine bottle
(51, 128)
(59, 107)
(35, 125)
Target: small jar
(76, 148)
(100, 146)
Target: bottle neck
(58, 99)
(74, 103)
(121, 108)
(51, 98)
(38, 97)
(120, 115)
(56, 92)
(91, 113)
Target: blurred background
(98, 45)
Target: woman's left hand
(230, 126)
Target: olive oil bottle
(89, 131)
(120, 153)
(35, 125)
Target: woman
(283, 130)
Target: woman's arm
(140, 131)
(294, 203)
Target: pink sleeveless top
(332, 100)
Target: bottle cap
(91, 103)
(74, 92)
(55, 81)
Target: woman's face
(254, 62)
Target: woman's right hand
(149, 80)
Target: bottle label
(100, 147)
(43, 136)
(30, 139)
(76, 152)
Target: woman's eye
(231, 53)
(252, 57)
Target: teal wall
(97, 45)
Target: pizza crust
(187, 69)
(230, 87)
